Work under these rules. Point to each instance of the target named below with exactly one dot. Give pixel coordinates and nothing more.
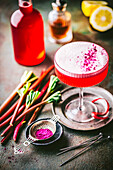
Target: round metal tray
(71, 92)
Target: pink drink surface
(81, 64)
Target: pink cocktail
(81, 64)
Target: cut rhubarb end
(106, 106)
(94, 114)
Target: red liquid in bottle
(28, 35)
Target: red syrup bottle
(28, 34)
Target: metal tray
(96, 91)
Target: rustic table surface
(100, 157)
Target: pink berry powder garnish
(43, 133)
(89, 60)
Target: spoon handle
(55, 118)
(28, 141)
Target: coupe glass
(81, 64)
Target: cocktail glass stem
(81, 99)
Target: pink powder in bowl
(43, 134)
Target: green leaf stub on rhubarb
(31, 97)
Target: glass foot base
(73, 112)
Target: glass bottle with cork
(59, 20)
(28, 34)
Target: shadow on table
(54, 147)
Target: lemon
(102, 18)
(89, 6)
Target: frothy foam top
(81, 57)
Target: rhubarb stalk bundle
(19, 117)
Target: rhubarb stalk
(24, 78)
(8, 120)
(30, 99)
(52, 85)
(9, 112)
(18, 128)
(22, 92)
(5, 139)
(37, 82)
(55, 97)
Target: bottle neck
(25, 7)
(59, 6)
(59, 9)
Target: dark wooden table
(100, 157)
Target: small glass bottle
(59, 23)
